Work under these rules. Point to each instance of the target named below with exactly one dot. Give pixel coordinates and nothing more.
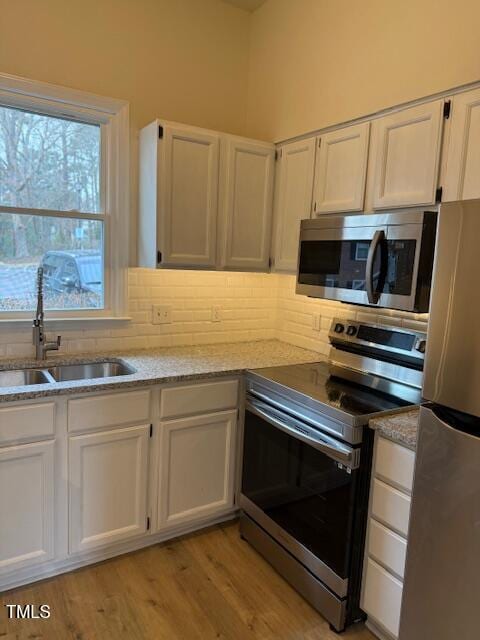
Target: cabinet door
(341, 169)
(294, 200)
(196, 468)
(407, 149)
(26, 505)
(108, 487)
(462, 173)
(188, 196)
(382, 597)
(247, 177)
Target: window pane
(70, 251)
(48, 163)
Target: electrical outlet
(316, 322)
(216, 314)
(161, 314)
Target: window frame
(113, 118)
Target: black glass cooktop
(320, 382)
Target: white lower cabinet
(390, 506)
(387, 548)
(382, 597)
(196, 468)
(27, 499)
(108, 474)
(386, 543)
(105, 466)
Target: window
(63, 200)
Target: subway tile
(415, 325)
(181, 340)
(389, 320)
(253, 306)
(155, 342)
(20, 350)
(78, 346)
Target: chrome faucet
(39, 338)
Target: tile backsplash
(249, 306)
(305, 321)
(246, 306)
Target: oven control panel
(381, 337)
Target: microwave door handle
(378, 237)
(330, 447)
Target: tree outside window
(51, 211)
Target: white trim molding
(113, 117)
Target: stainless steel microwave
(380, 260)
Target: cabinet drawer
(27, 422)
(387, 547)
(382, 597)
(395, 463)
(114, 409)
(390, 506)
(198, 398)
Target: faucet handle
(59, 341)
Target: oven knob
(339, 328)
(421, 346)
(351, 330)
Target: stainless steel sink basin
(64, 372)
(23, 377)
(89, 371)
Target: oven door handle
(378, 238)
(329, 446)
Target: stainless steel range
(307, 458)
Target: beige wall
(184, 60)
(314, 63)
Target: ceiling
(247, 5)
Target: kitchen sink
(63, 373)
(89, 371)
(23, 377)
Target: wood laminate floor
(207, 585)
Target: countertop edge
(52, 390)
(400, 427)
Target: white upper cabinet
(341, 169)
(293, 199)
(188, 196)
(247, 177)
(406, 145)
(178, 205)
(462, 171)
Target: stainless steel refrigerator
(441, 597)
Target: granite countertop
(400, 427)
(169, 364)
